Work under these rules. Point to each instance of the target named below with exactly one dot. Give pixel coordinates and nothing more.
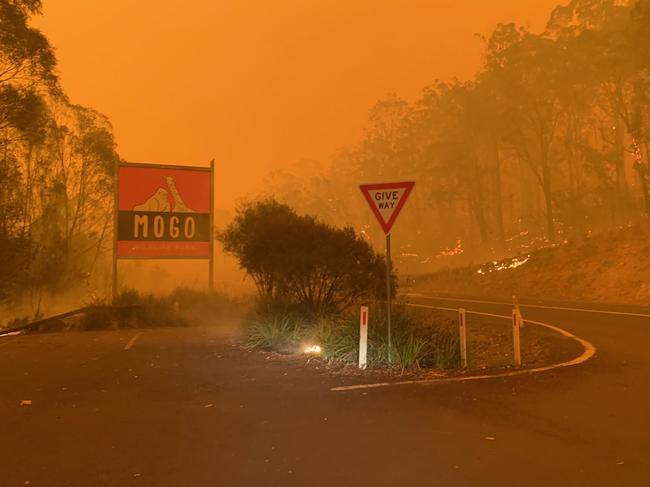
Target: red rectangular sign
(163, 212)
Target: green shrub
(274, 333)
(442, 348)
(300, 260)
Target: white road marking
(11, 334)
(582, 310)
(132, 341)
(589, 351)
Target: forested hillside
(549, 140)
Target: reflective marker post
(363, 338)
(515, 303)
(516, 325)
(462, 328)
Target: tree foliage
(300, 260)
(56, 165)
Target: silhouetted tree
(300, 260)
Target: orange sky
(260, 84)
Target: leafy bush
(298, 260)
(181, 307)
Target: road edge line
(132, 341)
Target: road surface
(184, 407)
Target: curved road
(184, 407)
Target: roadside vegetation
(417, 342)
(56, 170)
(310, 278)
(131, 309)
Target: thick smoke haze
(524, 124)
(259, 85)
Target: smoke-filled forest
(549, 140)
(56, 167)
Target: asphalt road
(184, 407)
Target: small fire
(457, 250)
(504, 265)
(313, 349)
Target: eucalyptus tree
(56, 164)
(451, 133)
(524, 68)
(606, 33)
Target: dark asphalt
(183, 407)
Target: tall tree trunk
(642, 171)
(619, 163)
(643, 178)
(547, 189)
(497, 189)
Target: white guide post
(516, 326)
(363, 338)
(515, 303)
(462, 328)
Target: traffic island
(426, 345)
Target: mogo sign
(164, 212)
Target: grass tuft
(279, 334)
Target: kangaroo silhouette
(179, 204)
(160, 200)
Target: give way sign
(386, 201)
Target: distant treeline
(550, 139)
(56, 165)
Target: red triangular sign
(387, 200)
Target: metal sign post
(389, 304)
(116, 199)
(386, 201)
(211, 260)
